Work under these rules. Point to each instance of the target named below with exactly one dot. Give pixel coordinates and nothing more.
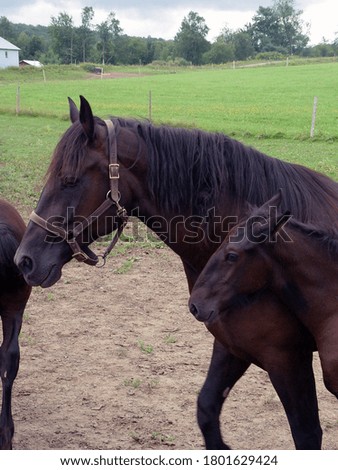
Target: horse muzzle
(44, 275)
(203, 313)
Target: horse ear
(87, 118)
(280, 222)
(73, 111)
(269, 223)
(275, 201)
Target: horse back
(12, 228)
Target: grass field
(267, 107)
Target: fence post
(17, 110)
(314, 111)
(150, 106)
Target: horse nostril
(193, 309)
(25, 265)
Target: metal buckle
(103, 262)
(114, 171)
(80, 256)
(121, 212)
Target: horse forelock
(69, 153)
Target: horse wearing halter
(112, 199)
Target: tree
(108, 31)
(219, 53)
(243, 45)
(36, 47)
(6, 29)
(230, 45)
(62, 34)
(191, 40)
(31, 46)
(23, 43)
(264, 29)
(164, 50)
(278, 28)
(323, 49)
(290, 26)
(132, 50)
(85, 32)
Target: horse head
(241, 268)
(88, 186)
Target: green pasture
(269, 108)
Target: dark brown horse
(295, 262)
(14, 293)
(189, 187)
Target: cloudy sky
(162, 18)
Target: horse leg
(294, 383)
(224, 371)
(330, 374)
(328, 353)
(9, 365)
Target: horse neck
(174, 184)
(304, 272)
(182, 232)
(186, 233)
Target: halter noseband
(112, 199)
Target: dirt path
(115, 361)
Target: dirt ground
(115, 75)
(115, 361)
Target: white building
(9, 54)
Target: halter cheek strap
(112, 199)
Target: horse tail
(8, 245)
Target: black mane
(190, 169)
(327, 239)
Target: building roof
(7, 45)
(33, 63)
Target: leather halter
(112, 199)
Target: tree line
(274, 32)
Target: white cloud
(41, 11)
(323, 19)
(163, 18)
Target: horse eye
(231, 257)
(69, 181)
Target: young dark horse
(14, 293)
(188, 186)
(296, 263)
